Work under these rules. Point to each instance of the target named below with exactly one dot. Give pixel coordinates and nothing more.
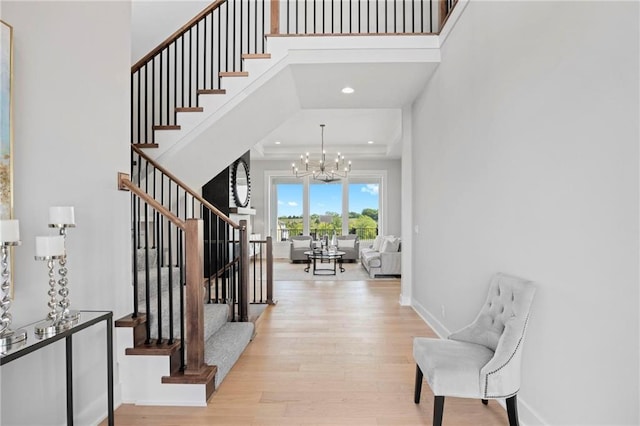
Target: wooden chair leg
(438, 408)
(418, 388)
(485, 401)
(512, 411)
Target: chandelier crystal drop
(319, 169)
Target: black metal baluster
(180, 239)
(404, 16)
(134, 240)
(395, 17)
(263, 26)
(146, 105)
(190, 64)
(160, 104)
(368, 17)
(219, 68)
(241, 39)
(133, 109)
(226, 45)
(159, 281)
(147, 287)
(214, 256)
(332, 17)
(207, 254)
(182, 66)
(153, 93)
(413, 16)
(233, 36)
(386, 17)
(170, 267)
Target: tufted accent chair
(483, 359)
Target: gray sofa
(383, 257)
(299, 244)
(350, 245)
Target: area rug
(283, 270)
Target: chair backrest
(506, 308)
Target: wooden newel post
(270, 271)
(194, 296)
(275, 16)
(243, 302)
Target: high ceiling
(372, 113)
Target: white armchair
(483, 359)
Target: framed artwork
(6, 131)
(6, 134)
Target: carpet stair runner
(224, 340)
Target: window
(289, 210)
(307, 207)
(325, 208)
(364, 207)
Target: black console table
(33, 343)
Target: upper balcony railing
(212, 45)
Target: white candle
(9, 231)
(49, 246)
(62, 215)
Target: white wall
(71, 127)
(526, 161)
(153, 21)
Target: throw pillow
(350, 243)
(390, 245)
(377, 243)
(301, 244)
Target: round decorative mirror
(240, 183)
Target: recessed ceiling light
(370, 142)
(277, 142)
(348, 90)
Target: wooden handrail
(186, 188)
(186, 27)
(124, 184)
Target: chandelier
(320, 170)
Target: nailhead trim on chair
(486, 378)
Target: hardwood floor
(329, 353)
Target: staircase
(190, 325)
(224, 341)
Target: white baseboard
(430, 319)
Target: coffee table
(324, 256)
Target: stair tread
(211, 91)
(256, 56)
(179, 377)
(152, 348)
(130, 321)
(233, 74)
(166, 127)
(189, 109)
